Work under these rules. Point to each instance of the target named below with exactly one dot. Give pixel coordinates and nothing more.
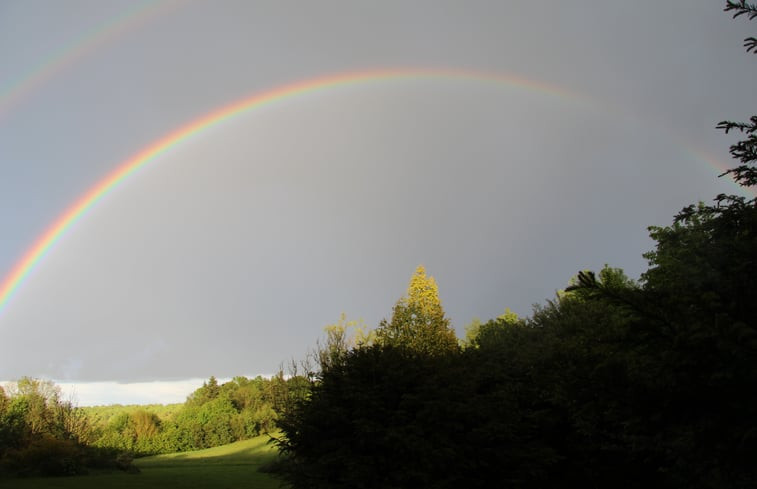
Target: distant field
(230, 466)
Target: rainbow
(54, 233)
(76, 49)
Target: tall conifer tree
(418, 320)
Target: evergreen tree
(418, 320)
(209, 391)
(745, 151)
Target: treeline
(213, 415)
(43, 434)
(100, 416)
(614, 383)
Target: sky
(503, 145)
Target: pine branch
(742, 8)
(739, 126)
(750, 43)
(587, 282)
(744, 151)
(743, 175)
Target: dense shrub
(40, 434)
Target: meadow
(228, 466)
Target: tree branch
(742, 8)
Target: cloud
(105, 393)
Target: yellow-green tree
(418, 320)
(342, 337)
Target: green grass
(229, 466)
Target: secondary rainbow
(90, 41)
(36, 253)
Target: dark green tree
(382, 417)
(612, 384)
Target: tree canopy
(613, 383)
(418, 320)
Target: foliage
(214, 414)
(744, 151)
(418, 320)
(471, 331)
(354, 429)
(339, 340)
(702, 279)
(209, 391)
(742, 7)
(99, 416)
(41, 434)
(612, 384)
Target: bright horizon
(84, 394)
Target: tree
(744, 151)
(3, 400)
(209, 391)
(613, 384)
(146, 424)
(471, 332)
(742, 7)
(382, 417)
(476, 329)
(692, 341)
(40, 434)
(339, 341)
(418, 320)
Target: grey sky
(229, 254)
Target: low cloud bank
(105, 393)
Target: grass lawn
(230, 466)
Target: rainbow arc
(31, 259)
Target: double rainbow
(44, 243)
